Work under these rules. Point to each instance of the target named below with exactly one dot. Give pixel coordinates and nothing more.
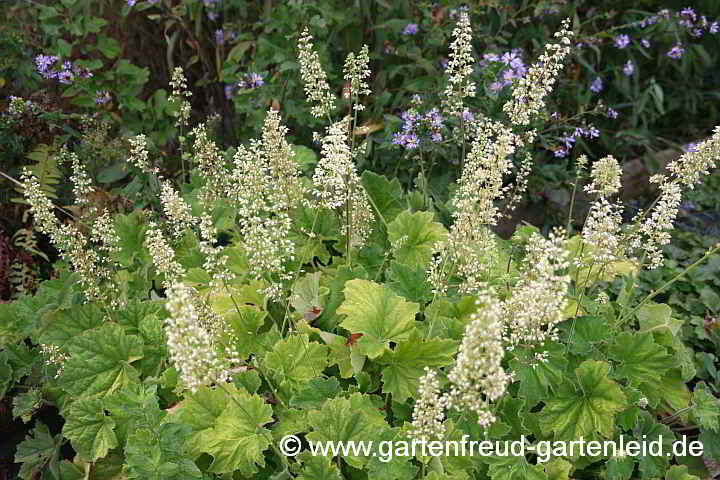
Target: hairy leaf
(584, 409)
(100, 361)
(376, 312)
(405, 364)
(414, 237)
(89, 429)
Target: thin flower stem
(677, 277)
(572, 205)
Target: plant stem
(677, 277)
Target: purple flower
(651, 20)
(45, 64)
(689, 13)
(219, 36)
(436, 120)
(622, 41)
(676, 52)
(612, 113)
(569, 141)
(102, 97)
(560, 152)
(467, 116)
(597, 85)
(691, 147)
(685, 23)
(411, 141)
(436, 137)
(495, 86)
(228, 91)
(629, 68)
(409, 120)
(714, 27)
(645, 43)
(410, 29)
(593, 132)
(254, 80)
(131, 3)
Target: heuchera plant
(258, 302)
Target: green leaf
(132, 408)
(586, 409)
(36, 451)
(202, 408)
(657, 317)
(406, 363)
(308, 296)
(537, 380)
(317, 391)
(384, 464)
(710, 298)
(108, 46)
(296, 360)
(679, 472)
(514, 468)
(414, 237)
(587, 332)
(158, 454)
(711, 444)
(649, 430)
(25, 404)
(249, 380)
(620, 468)
(409, 282)
(238, 439)
(305, 157)
(316, 467)
(130, 229)
(642, 361)
(6, 375)
(10, 329)
(112, 173)
(706, 408)
(376, 312)
(133, 315)
(89, 429)
(344, 420)
(100, 360)
(227, 424)
(386, 195)
(558, 469)
(64, 49)
(246, 322)
(65, 325)
(336, 283)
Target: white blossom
(528, 95)
(460, 67)
(317, 90)
(429, 411)
(478, 378)
(337, 184)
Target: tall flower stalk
(317, 89)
